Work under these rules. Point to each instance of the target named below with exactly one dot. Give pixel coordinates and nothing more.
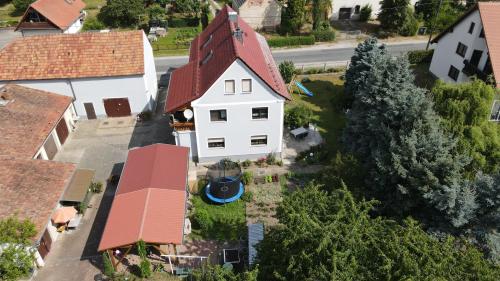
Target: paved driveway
(7, 35)
(101, 145)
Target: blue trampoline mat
(222, 201)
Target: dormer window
(207, 57)
(207, 41)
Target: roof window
(207, 41)
(207, 57)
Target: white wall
(267, 14)
(150, 78)
(75, 27)
(445, 50)
(187, 139)
(239, 126)
(337, 4)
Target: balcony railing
(182, 126)
(472, 70)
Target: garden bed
(265, 198)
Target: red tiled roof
(91, 54)
(62, 13)
(28, 118)
(31, 188)
(150, 201)
(193, 80)
(490, 16)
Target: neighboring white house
(107, 74)
(259, 14)
(228, 101)
(349, 9)
(51, 17)
(470, 46)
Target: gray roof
(255, 235)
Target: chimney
(237, 33)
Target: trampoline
(224, 182)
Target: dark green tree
(398, 16)
(393, 129)
(292, 16)
(92, 23)
(320, 11)
(155, 12)
(21, 5)
(365, 13)
(122, 13)
(191, 7)
(218, 273)
(205, 11)
(465, 110)
(331, 236)
(287, 69)
(108, 268)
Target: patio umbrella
(64, 214)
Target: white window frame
(212, 140)
(257, 119)
(216, 121)
(243, 88)
(258, 137)
(225, 87)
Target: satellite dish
(188, 113)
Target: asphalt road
(300, 57)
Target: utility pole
(432, 24)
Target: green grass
(326, 104)
(94, 6)
(8, 12)
(176, 42)
(227, 221)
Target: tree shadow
(90, 251)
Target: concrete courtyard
(101, 145)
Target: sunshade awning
(64, 214)
(79, 185)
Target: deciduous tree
(122, 13)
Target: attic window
(207, 57)
(207, 41)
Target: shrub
(202, 219)
(92, 23)
(82, 207)
(271, 159)
(420, 56)
(287, 69)
(260, 162)
(183, 22)
(325, 35)
(298, 116)
(247, 196)
(410, 25)
(269, 179)
(246, 163)
(314, 155)
(108, 268)
(291, 41)
(365, 13)
(247, 177)
(145, 268)
(96, 187)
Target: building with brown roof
(107, 74)
(470, 46)
(228, 101)
(35, 124)
(52, 17)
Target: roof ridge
(144, 212)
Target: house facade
(228, 101)
(350, 9)
(52, 17)
(259, 14)
(470, 47)
(107, 74)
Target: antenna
(233, 17)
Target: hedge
(183, 22)
(420, 56)
(324, 35)
(291, 41)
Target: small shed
(78, 189)
(255, 235)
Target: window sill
(229, 94)
(260, 119)
(216, 148)
(218, 121)
(258, 145)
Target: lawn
(221, 222)
(8, 13)
(327, 105)
(176, 42)
(93, 6)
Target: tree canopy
(398, 16)
(292, 16)
(122, 13)
(330, 236)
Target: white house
(350, 9)
(470, 46)
(259, 14)
(107, 74)
(228, 101)
(52, 17)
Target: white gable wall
(239, 126)
(338, 4)
(445, 51)
(150, 78)
(75, 27)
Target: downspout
(74, 97)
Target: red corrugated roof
(62, 13)
(490, 16)
(150, 200)
(193, 80)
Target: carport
(150, 201)
(79, 188)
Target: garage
(62, 131)
(50, 147)
(117, 107)
(45, 244)
(345, 13)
